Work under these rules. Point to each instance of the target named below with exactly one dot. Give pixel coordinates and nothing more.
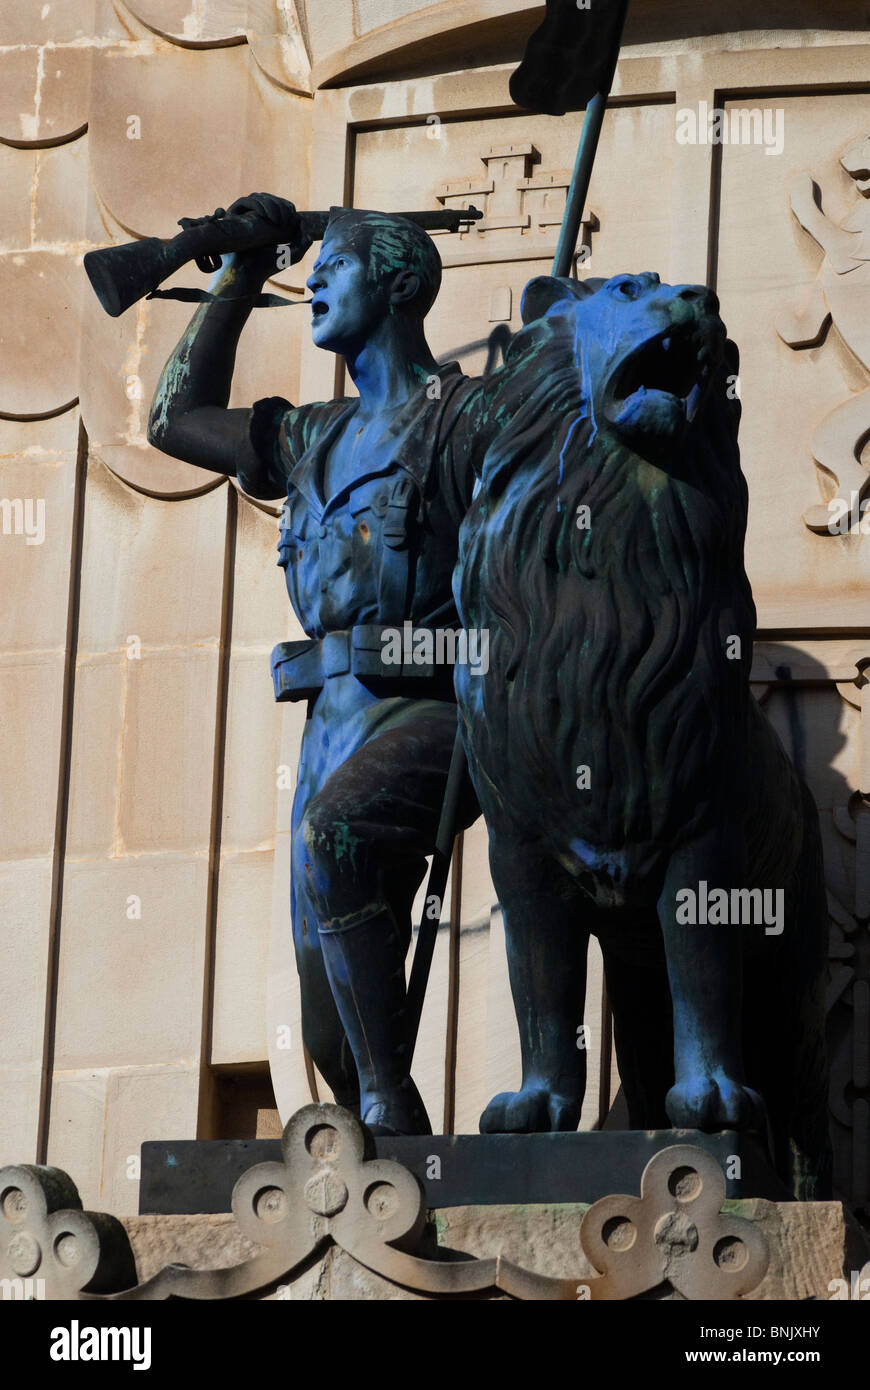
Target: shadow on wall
(809, 714)
(814, 738)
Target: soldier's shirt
(383, 549)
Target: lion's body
(615, 729)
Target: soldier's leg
(322, 1029)
(366, 835)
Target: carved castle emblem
(839, 295)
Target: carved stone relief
(840, 295)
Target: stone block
(61, 196)
(283, 58)
(46, 93)
(42, 295)
(57, 23)
(130, 988)
(811, 1245)
(96, 763)
(40, 440)
(166, 565)
(31, 697)
(239, 1021)
(100, 1115)
(25, 890)
(20, 1087)
(168, 763)
(212, 22)
(36, 518)
(77, 1129)
(252, 752)
(177, 95)
(214, 1242)
(17, 171)
(139, 1103)
(261, 608)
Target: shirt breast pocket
(367, 509)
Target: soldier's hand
(277, 236)
(262, 231)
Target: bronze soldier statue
(614, 393)
(376, 489)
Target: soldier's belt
(300, 669)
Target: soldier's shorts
(362, 838)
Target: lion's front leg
(705, 971)
(547, 945)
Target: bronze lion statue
(631, 786)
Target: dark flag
(570, 57)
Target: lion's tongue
(654, 412)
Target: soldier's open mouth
(319, 308)
(667, 375)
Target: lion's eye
(625, 289)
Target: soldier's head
(371, 267)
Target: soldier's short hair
(394, 243)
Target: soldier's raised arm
(190, 418)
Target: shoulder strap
(409, 496)
(400, 545)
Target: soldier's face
(346, 306)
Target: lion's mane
(607, 643)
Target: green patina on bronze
(390, 244)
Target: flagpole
(435, 889)
(576, 202)
(565, 248)
(587, 149)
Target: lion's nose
(700, 296)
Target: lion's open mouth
(666, 376)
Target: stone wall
(147, 775)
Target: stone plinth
(811, 1244)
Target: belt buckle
(336, 654)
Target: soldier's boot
(322, 1029)
(365, 961)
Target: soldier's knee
(328, 849)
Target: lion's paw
(533, 1110)
(711, 1103)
